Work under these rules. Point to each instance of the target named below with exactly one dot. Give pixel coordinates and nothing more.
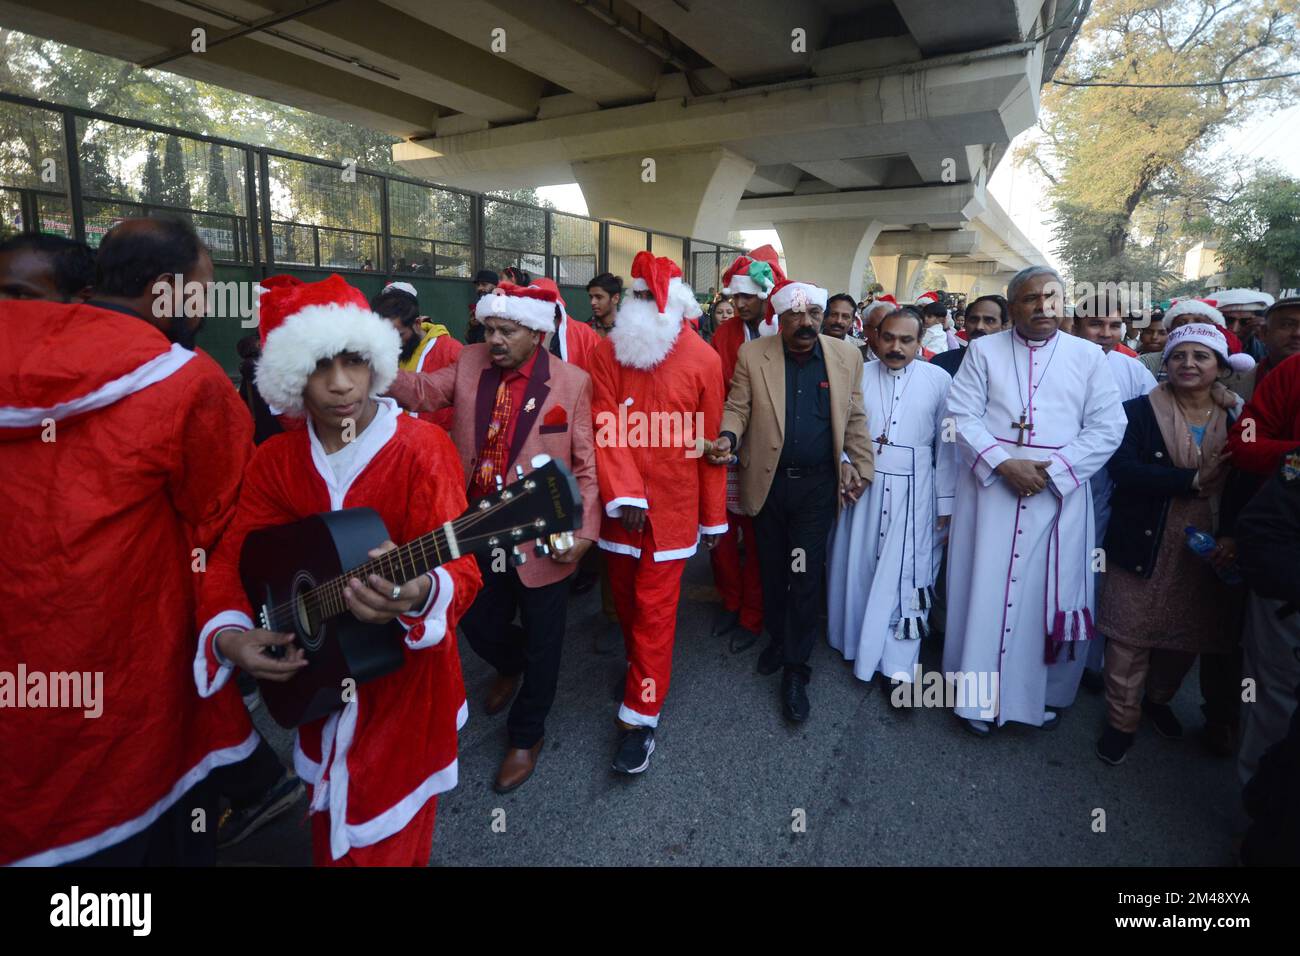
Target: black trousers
(792, 529)
(171, 840)
(246, 783)
(532, 650)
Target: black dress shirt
(808, 441)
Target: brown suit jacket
(755, 413)
(560, 391)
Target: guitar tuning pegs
(500, 484)
(519, 472)
(517, 557)
(541, 549)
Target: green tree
(1259, 235)
(218, 186)
(1113, 154)
(175, 184)
(152, 184)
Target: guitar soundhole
(306, 616)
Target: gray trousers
(1271, 658)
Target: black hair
(129, 260)
(998, 300)
(72, 262)
(842, 297)
(487, 275)
(396, 304)
(934, 310)
(517, 276)
(612, 284)
(907, 310)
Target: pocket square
(556, 416)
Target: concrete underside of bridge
(857, 129)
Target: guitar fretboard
(404, 563)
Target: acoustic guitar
(294, 575)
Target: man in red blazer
(513, 400)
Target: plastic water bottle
(1203, 544)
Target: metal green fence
(75, 172)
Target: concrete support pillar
(899, 274)
(831, 253)
(995, 284)
(966, 277)
(692, 193)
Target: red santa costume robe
(652, 364)
(438, 349)
(1269, 426)
(121, 454)
(738, 581)
(578, 340)
(375, 766)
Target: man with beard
(426, 346)
(795, 414)
(748, 280)
(885, 550)
(122, 451)
(661, 499)
(1037, 414)
(984, 316)
(840, 311)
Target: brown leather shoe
(500, 693)
(516, 767)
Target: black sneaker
(1162, 717)
(238, 825)
(634, 750)
(1113, 746)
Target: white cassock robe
(885, 551)
(1019, 581)
(1133, 380)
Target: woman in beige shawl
(1163, 604)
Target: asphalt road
(731, 783)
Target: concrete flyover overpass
(855, 128)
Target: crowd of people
(1099, 497)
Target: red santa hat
(301, 323)
(925, 298)
(532, 306)
(793, 296)
(1202, 307)
(663, 277)
(542, 282)
(887, 299)
(753, 274)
